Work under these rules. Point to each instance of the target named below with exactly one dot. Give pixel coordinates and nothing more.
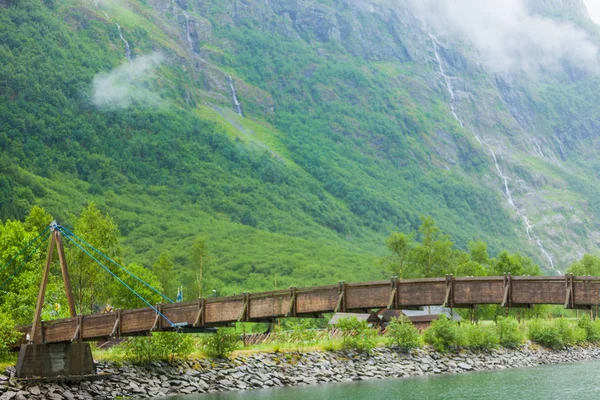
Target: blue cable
(122, 282)
(24, 261)
(67, 232)
(23, 249)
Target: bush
(443, 334)
(302, 335)
(509, 334)
(8, 335)
(161, 346)
(555, 334)
(479, 337)
(591, 328)
(356, 334)
(221, 343)
(401, 333)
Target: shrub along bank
(444, 335)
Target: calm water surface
(567, 381)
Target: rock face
(261, 371)
(508, 112)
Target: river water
(565, 381)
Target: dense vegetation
(353, 335)
(335, 151)
(315, 196)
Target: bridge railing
(508, 291)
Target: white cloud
(508, 37)
(128, 83)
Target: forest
(313, 201)
(425, 253)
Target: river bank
(267, 370)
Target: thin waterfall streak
(127, 48)
(104, 12)
(526, 221)
(539, 149)
(237, 104)
(504, 180)
(187, 31)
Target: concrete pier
(55, 359)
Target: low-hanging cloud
(129, 83)
(508, 37)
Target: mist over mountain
(297, 135)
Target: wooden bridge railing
(507, 291)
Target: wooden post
(55, 239)
(449, 298)
(341, 304)
(65, 272)
(40, 300)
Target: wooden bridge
(55, 348)
(507, 291)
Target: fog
(127, 84)
(507, 37)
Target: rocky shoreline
(268, 370)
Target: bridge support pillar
(55, 359)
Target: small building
(422, 318)
(372, 319)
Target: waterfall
(539, 149)
(237, 104)
(505, 181)
(506, 190)
(187, 31)
(448, 85)
(127, 49)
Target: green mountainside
(294, 135)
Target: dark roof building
(420, 318)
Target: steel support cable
(25, 261)
(121, 281)
(67, 232)
(24, 248)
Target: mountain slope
(296, 135)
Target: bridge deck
(572, 292)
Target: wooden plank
(537, 291)
(364, 297)
(428, 292)
(478, 292)
(65, 273)
(587, 293)
(37, 316)
(275, 306)
(314, 302)
(223, 312)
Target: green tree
(433, 255)
(19, 293)
(200, 256)
(89, 280)
(163, 270)
(122, 297)
(514, 264)
(588, 265)
(399, 244)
